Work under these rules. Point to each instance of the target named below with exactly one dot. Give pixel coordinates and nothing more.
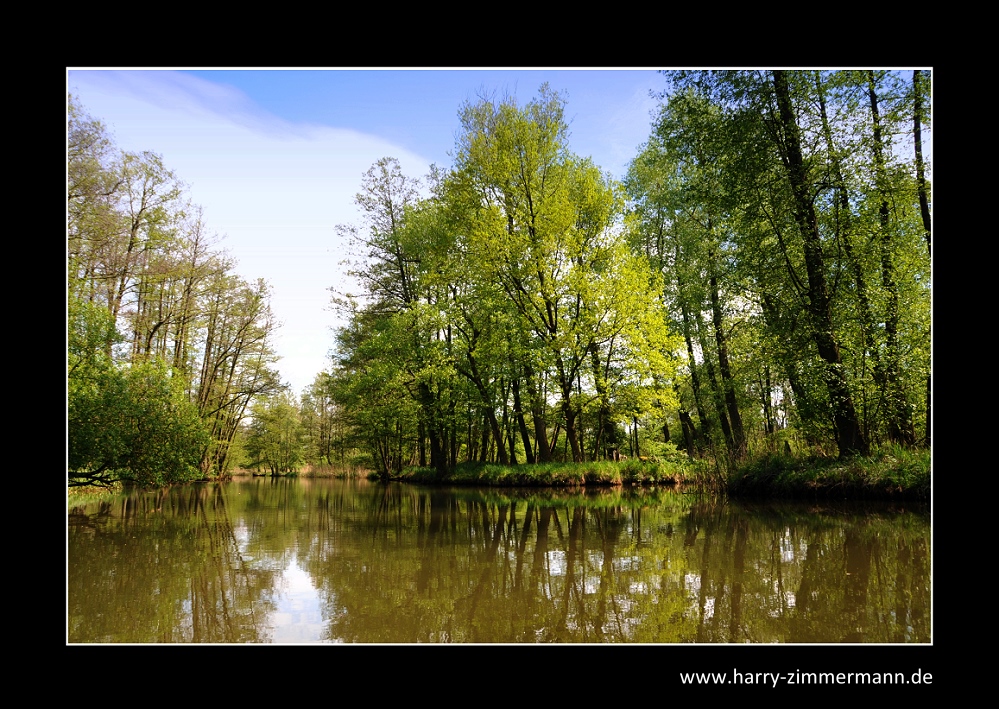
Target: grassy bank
(889, 473)
(892, 472)
(596, 473)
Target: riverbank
(890, 473)
(600, 473)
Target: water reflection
(164, 567)
(279, 560)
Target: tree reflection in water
(404, 564)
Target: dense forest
(759, 282)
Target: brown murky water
(265, 560)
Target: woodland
(759, 282)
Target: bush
(131, 424)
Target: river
(298, 561)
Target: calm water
(263, 560)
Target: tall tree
(198, 337)
(236, 363)
(786, 136)
(681, 222)
(276, 438)
(899, 417)
(918, 87)
(543, 229)
(798, 175)
(401, 304)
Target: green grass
(892, 472)
(79, 496)
(596, 473)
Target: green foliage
(595, 473)
(132, 424)
(91, 333)
(890, 472)
(782, 210)
(127, 423)
(506, 304)
(275, 438)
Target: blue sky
(275, 157)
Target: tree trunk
(428, 403)
(634, 430)
(716, 392)
(924, 206)
(844, 233)
(738, 448)
(849, 438)
(508, 434)
(605, 433)
(521, 423)
(695, 381)
(766, 389)
(543, 452)
(484, 446)
(899, 416)
(570, 415)
(917, 136)
(421, 442)
(689, 432)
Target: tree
(236, 361)
(276, 438)
(126, 423)
(403, 302)
(93, 183)
(542, 224)
(197, 335)
(325, 423)
(793, 220)
(919, 85)
(510, 281)
(368, 384)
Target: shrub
(132, 424)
